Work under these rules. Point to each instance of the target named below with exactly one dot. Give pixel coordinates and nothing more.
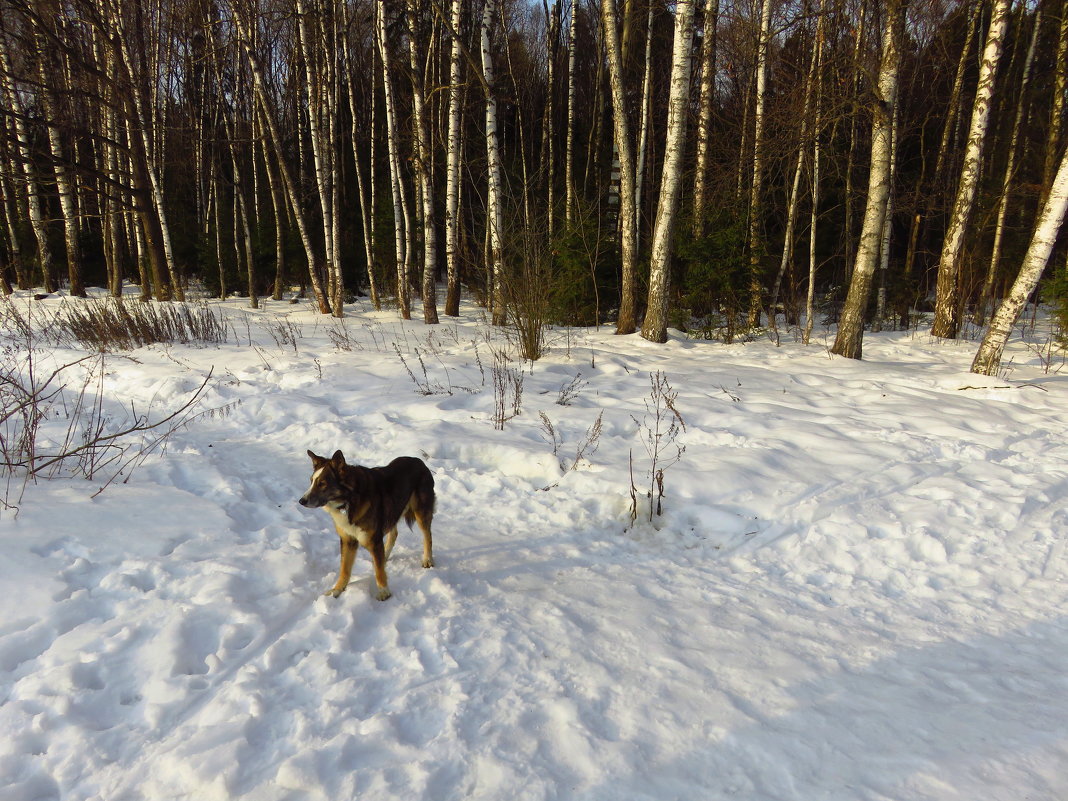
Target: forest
(723, 167)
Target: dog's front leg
(378, 556)
(348, 555)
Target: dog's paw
(334, 592)
(383, 594)
(428, 562)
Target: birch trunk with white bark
(33, 192)
(65, 184)
(421, 146)
(988, 357)
(849, 340)
(1010, 169)
(654, 327)
(947, 292)
(317, 34)
(401, 217)
(452, 165)
(569, 147)
(1060, 97)
(756, 195)
(493, 167)
(270, 120)
(628, 246)
(705, 104)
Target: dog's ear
(338, 459)
(317, 461)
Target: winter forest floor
(857, 590)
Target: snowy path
(857, 591)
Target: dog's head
(326, 485)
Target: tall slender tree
(654, 328)
(849, 339)
(947, 294)
(621, 129)
(988, 357)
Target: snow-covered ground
(858, 589)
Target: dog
(366, 503)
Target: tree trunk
(569, 147)
(947, 292)
(1060, 98)
(952, 114)
(704, 114)
(266, 109)
(1010, 169)
(643, 128)
(756, 204)
(452, 166)
(847, 200)
(799, 161)
(988, 357)
(817, 130)
(626, 322)
(401, 220)
(65, 186)
(422, 156)
(33, 194)
(850, 336)
(654, 327)
(318, 38)
(493, 159)
(8, 199)
(884, 239)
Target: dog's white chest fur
(340, 515)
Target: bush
(713, 274)
(585, 266)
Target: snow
(857, 589)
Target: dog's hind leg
(348, 555)
(423, 516)
(378, 555)
(391, 540)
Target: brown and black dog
(366, 503)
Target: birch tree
(817, 129)
(1010, 171)
(65, 182)
(705, 102)
(452, 164)
(988, 357)
(422, 153)
(756, 222)
(493, 165)
(799, 161)
(569, 145)
(628, 245)
(947, 294)
(14, 102)
(1060, 97)
(318, 35)
(849, 340)
(654, 328)
(948, 125)
(243, 20)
